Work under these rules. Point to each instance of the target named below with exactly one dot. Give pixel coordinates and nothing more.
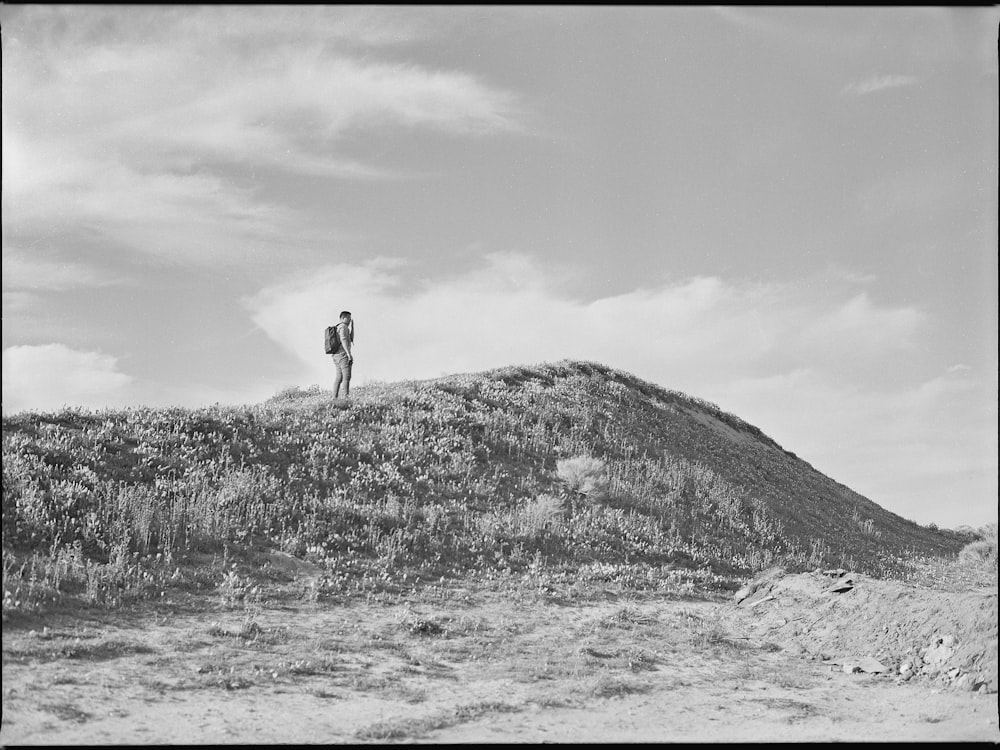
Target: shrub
(539, 513)
(866, 525)
(982, 551)
(583, 475)
(293, 393)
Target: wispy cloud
(878, 83)
(864, 327)
(183, 90)
(51, 376)
(685, 334)
(178, 218)
(850, 275)
(25, 270)
(127, 123)
(31, 273)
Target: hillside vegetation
(572, 469)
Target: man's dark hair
(344, 314)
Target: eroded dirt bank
(945, 637)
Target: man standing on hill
(343, 358)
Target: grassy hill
(573, 468)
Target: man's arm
(345, 339)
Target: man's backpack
(331, 340)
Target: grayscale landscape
(562, 552)
(479, 374)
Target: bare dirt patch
(509, 664)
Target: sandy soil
(516, 665)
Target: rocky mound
(879, 626)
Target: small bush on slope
(584, 476)
(982, 551)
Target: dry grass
(609, 686)
(417, 728)
(412, 482)
(970, 571)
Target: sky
(790, 212)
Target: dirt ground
(810, 657)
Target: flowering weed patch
(548, 469)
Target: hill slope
(445, 476)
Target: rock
(905, 667)
(743, 593)
(936, 655)
(845, 583)
(749, 590)
(763, 583)
(966, 682)
(864, 664)
(872, 666)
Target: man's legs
(343, 375)
(337, 377)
